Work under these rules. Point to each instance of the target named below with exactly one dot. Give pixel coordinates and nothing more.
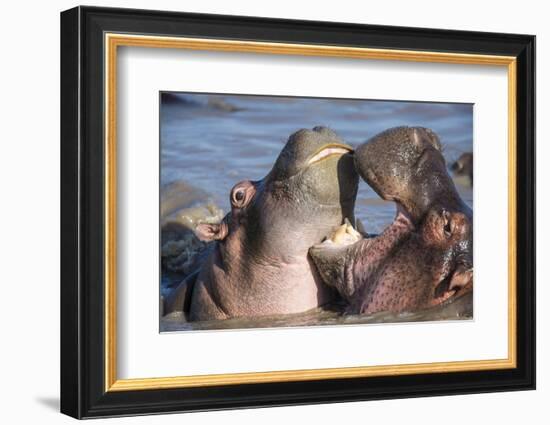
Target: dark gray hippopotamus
(259, 264)
(425, 256)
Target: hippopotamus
(259, 264)
(422, 259)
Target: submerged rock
(222, 105)
(180, 256)
(183, 207)
(213, 103)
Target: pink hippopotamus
(259, 264)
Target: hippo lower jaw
(336, 256)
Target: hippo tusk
(329, 151)
(344, 235)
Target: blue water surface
(215, 141)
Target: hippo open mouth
(422, 259)
(407, 267)
(329, 151)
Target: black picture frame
(83, 392)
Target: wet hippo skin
(403, 269)
(259, 264)
(425, 257)
(405, 165)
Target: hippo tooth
(352, 232)
(345, 235)
(339, 234)
(326, 152)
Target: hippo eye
(239, 195)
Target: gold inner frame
(113, 41)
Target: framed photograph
(261, 212)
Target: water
(212, 147)
(212, 142)
(459, 309)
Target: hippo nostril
(447, 229)
(442, 287)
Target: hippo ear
(211, 232)
(422, 135)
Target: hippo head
(430, 266)
(405, 165)
(310, 190)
